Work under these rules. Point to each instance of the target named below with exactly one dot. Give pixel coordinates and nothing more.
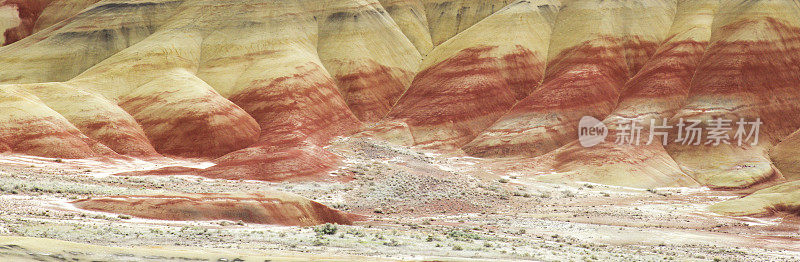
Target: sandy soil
(420, 206)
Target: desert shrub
(326, 229)
(463, 235)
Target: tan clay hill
(260, 87)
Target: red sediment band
(582, 80)
(466, 93)
(597, 68)
(638, 52)
(264, 163)
(523, 70)
(793, 210)
(303, 107)
(193, 130)
(29, 11)
(50, 137)
(581, 75)
(668, 73)
(607, 153)
(463, 86)
(372, 89)
(300, 163)
(727, 67)
(254, 208)
(757, 75)
(298, 114)
(123, 137)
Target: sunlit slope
(783, 199)
(260, 87)
(447, 18)
(596, 46)
(748, 72)
(654, 93)
(469, 81)
(368, 55)
(411, 19)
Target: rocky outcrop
(273, 207)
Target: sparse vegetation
(567, 193)
(326, 229)
(463, 235)
(453, 212)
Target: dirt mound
(275, 208)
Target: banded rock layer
(469, 81)
(656, 92)
(747, 72)
(259, 87)
(275, 208)
(596, 47)
(152, 78)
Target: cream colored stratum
(783, 198)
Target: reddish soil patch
(276, 208)
(29, 11)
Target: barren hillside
(368, 112)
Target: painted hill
(260, 87)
